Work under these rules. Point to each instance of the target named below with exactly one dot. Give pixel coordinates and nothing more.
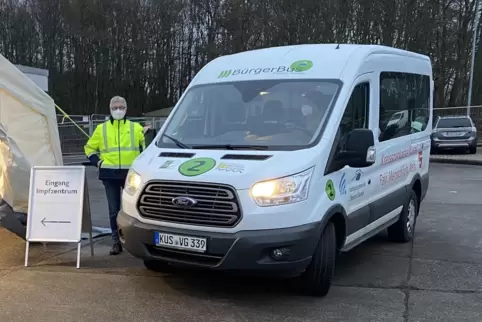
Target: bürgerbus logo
(296, 67)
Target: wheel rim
(411, 216)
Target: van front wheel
(403, 230)
(316, 280)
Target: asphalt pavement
(438, 277)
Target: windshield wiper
(177, 142)
(231, 147)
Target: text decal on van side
(402, 154)
(296, 67)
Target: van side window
(355, 117)
(404, 104)
(356, 112)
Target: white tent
(28, 134)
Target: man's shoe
(116, 249)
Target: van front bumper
(242, 251)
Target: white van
(269, 162)
(399, 118)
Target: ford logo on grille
(184, 201)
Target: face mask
(118, 114)
(306, 110)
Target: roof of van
(328, 60)
(326, 49)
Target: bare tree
(149, 50)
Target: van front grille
(215, 205)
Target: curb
(456, 161)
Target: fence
(73, 139)
(475, 112)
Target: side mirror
(359, 149)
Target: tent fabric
(29, 134)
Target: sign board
(58, 206)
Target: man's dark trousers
(113, 191)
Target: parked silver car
(454, 132)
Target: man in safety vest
(113, 147)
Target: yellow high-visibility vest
(118, 143)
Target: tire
(473, 150)
(433, 151)
(403, 230)
(316, 280)
(157, 266)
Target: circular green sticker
(196, 166)
(330, 190)
(301, 65)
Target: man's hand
(146, 128)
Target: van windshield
(264, 114)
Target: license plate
(194, 244)
(454, 133)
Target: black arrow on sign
(45, 221)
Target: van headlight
(133, 182)
(282, 191)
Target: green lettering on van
(225, 73)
